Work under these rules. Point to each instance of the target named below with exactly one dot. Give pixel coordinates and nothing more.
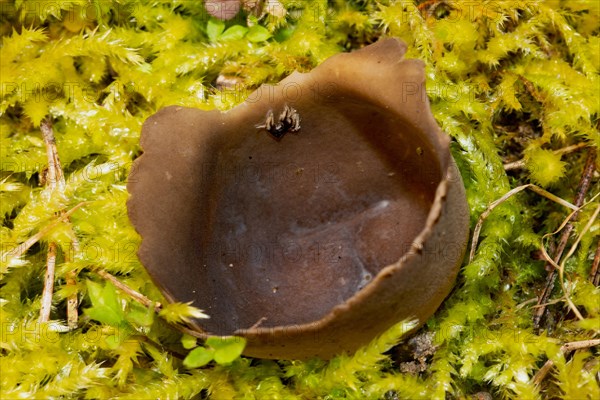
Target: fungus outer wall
(314, 243)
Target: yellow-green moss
(506, 79)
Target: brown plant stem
(155, 305)
(22, 248)
(137, 296)
(561, 268)
(595, 272)
(582, 190)
(48, 283)
(55, 181)
(566, 348)
(501, 200)
(72, 300)
(55, 178)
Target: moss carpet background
(514, 83)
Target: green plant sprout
(513, 82)
(222, 350)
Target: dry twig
(594, 272)
(501, 200)
(145, 301)
(48, 283)
(55, 178)
(582, 190)
(566, 348)
(21, 249)
(137, 296)
(55, 181)
(72, 300)
(561, 267)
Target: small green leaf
(105, 304)
(198, 357)
(188, 341)
(214, 28)
(236, 32)
(258, 33)
(227, 349)
(140, 315)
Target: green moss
(506, 79)
(544, 166)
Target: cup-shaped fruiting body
(311, 217)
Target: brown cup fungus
(311, 217)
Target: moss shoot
(513, 82)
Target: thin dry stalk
(188, 331)
(146, 302)
(594, 272)
(584, 230)
(566, 348)
(561, 267)
(501, 200)
(137, 296)
(566, 296)
(55, 181)
(55, 178)
(22, 248)
(48, 283)
(582, 189)
(72, 300)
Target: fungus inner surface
(288, 229)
